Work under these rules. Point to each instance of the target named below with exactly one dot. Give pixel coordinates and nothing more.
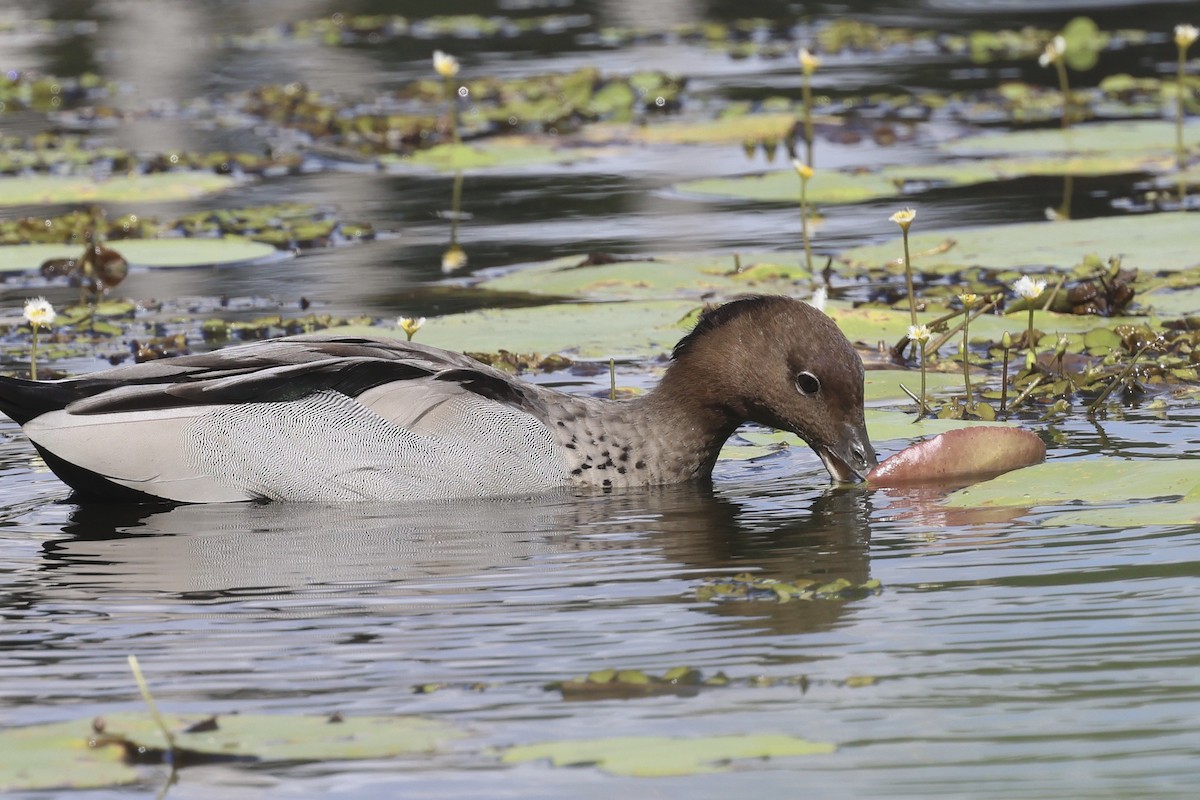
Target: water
(1011, 657)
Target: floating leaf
(1144, 137)
(972, 453)
(655, 756)
(58, 755)
(1094, 481)
(1160, 241)
(583, 330)
(155, 253)
(51, 190)
(665, 276)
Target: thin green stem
(922, 408)
(452, 99)
(806, 94)
(1066, 92)
(1029, 335)
(144, 688)
(966, 360)
(908, 279)
(33, 355)
(1180, 153)
(1004, 382)
(804, 224)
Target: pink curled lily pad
(960, 456)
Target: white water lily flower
(410, 325)
(808, 62)
(918, 333)
(1029, 288)
(39, 313)
(1185, 35)
(803, 170)
(1053, 51)
(445, 64)
(904, 218)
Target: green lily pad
(657, 756)
(730, 129)
(1137, 515)
(1159, 241)
(509, 152)
(885, 425)
(584, 330)
(1095, 481)
(59, 755)
(1147, 137)
(670, 275)
(51, 189)
(155, 253)
(832, 187)
(872, 325)
(883, 386)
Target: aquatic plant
(904, 219)
(808, 65)
(410, 325)
(1053, 55)
(1029, 289)
(805, 172)
(919, 335)
(38, 313)
(968, 300)
(447, 66)
(1185, 36)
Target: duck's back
(310, 418)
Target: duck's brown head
(782, 363)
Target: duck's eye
(808, 383)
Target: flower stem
(1029, 334)
(33, 355)
(1180, 153)
(1004, 382)
(922, 408)
(908, 278)
(804, 225)
(806, 94)
(966, 360)
(1066, 92)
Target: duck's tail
(22, 400)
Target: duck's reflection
(569, 541)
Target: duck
(329, 418)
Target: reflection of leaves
(652, 756)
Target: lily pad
(154, 253)
(666, 276)
(1159, 241)
(831, 187)
(966, 453)
(583, 330)
(51, 189)
(1094, 481)
(73, 754)
(509, 152)
(657, 756)
(1146, 137)
(730, 129)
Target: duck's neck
(670, 435)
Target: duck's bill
(851, 460)
(839, 470)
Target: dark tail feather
(23, 400)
